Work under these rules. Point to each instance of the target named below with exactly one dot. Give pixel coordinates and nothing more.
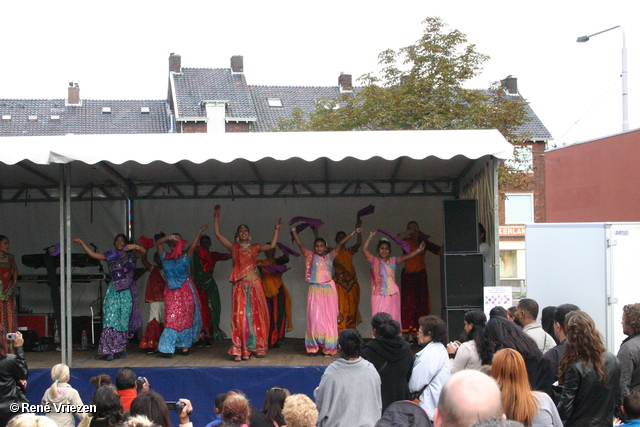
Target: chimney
(237, 64)
(510, 84)
(344, 81)
(175, 63)
(74, 94)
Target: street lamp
(625, 89)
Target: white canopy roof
(203, 160)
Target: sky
(120, 49)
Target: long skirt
(211, 307)
(386, 304)
(116, 312)
(249, 320)
(183, 321)
(414, 299)
(348, 302)
(277, 315)
(152, 333)
(322, 318)
(9, 314)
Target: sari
(348, 290)
(278, 300)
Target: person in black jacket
(392, 357)
(13, 377)
(548, 366)
(589, 374)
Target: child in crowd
(631, 408)
(61, 393)
(217, 409)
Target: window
(523, 159)
(145, 110)
(509, 264)
(518, 208)
(106, 110)
(55, 117)
(274, 102)
(6, 117)
(33, 117)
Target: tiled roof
(303, 97)
(194, 85)
(49, 117)
(534, 127)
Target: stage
(199, 377)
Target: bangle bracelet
(293, 229)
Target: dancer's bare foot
(252, 356)
(237, 359)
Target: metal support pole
(65, 265)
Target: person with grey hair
(349, 390)
(467, 397)
(497, 422)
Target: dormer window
(145, 110)
(274, 102)
(6, 117)
(55, 117)
(33, 117)
(106, 110)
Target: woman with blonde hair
(299, 411)
(61, 393)
(531, 408)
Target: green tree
(421, 87)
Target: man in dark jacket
(548, 366)
(13, 376)
(629, 353)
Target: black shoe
(166, 355)
(184, 352)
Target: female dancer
(154, 295)
(249, 313)
(203, 267)
(347, 285)
(120, 311)
(414, 299)
(183, 321)
(277, 294)
(385, 295)
(9, 278)
(322, 299)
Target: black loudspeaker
(463, 280)
(454, 318)
(461, 226)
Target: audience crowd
(510, 370)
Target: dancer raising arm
(183, 320)
(249, 312)
(120, 311)
(322, 298)
(385, 295)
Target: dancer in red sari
(249, 314)
(8, 281)
(414, 286)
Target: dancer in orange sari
(347, 284)
(278, 297)
(249, 313)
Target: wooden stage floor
(290, 353)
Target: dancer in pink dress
(322, 298)
(385, 295)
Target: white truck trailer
(593, 265)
